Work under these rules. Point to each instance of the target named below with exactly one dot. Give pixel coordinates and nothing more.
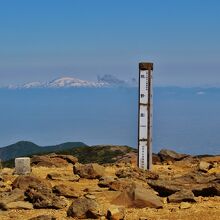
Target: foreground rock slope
(60, 187)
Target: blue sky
(46, 39)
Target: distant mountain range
(64, 82)
(26, 148)
(70, 82)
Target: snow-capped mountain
(64, 82)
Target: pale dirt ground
(205, 208)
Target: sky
(45, 39)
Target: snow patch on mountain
(64, 82)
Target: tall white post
(145, 116)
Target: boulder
(63, 177)
(66, 191)
(165, 187)
(115, 213)
(169, 155)
(42, 197)
(200, 184)
(89, 171)
(83, 208)
(47, 161)
(182, 196)
(23, 182)
(204, 166)
(138, 197)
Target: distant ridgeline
(85, 153)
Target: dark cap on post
(146, 66)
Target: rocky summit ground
(59, 187)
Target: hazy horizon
(185, 119)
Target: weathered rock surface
(106, 181)
(185, 205)
(136, 173)
(138, 197)
(83, 208)
(200, 184)
(43, 197)
(23, 182)
(20, 205)
(43, 217)
(9, 197)
(170, 155)
(204, 166)
(63, 177)
(182, 196)
(115, 213)
(47, 161)
(89, 171)
(66, 191)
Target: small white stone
(22, 165)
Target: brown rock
(120, 184)
(69, 158)
(138, 197)
(89, 171)
(136, 173)
(185, 205)
(20, 205)
(106, 181)
(23, 182)
(169, 155)
(63, 177)
(182, 196)
(115, 213)
(204, 166)
(42, 197)
(47, 161)
(66, 191)
(83, 208)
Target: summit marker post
(145, 116)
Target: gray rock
(165, 187)
(182, 196)
(169, 155)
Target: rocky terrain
(179, 187)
